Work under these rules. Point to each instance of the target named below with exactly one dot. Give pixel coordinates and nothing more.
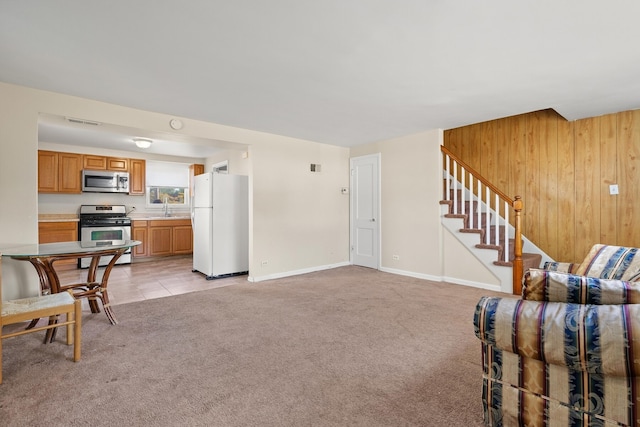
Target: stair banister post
(455, 187)
(447, 190)
(506, 232)
(518, 206)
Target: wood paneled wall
(563, 171)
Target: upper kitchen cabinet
(114, 164)
(195, 169)
(59, 172)
(137, 174)
(94, 162)
(62, 172)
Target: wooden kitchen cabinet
(47, 171)
(63, 231)
(135, 167)
(182, 239)
(194, 169)
(116, 164)
(95, 162)
(139, 231)
(162, 237)
(159, 238)
(137, 174)
(59, 172)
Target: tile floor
(161, 277)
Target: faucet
(166, 207)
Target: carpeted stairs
(470, 225)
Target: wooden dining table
(44, 256)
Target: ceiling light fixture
(142, 142)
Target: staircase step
(528, 261)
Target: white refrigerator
(220, 221)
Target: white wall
(299, 221)
(238, 161)
(301, 209)
(410, 223)
(411, 177)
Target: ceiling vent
(82, 121)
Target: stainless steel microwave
(105, 181)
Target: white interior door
(365, 211)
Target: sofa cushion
(542, 285)
(563, 267)
(611, 262)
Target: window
(221, 167)
(167, 181)
(172, 195)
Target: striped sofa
(568, 352)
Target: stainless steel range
(104, 223)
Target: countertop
(134, 217)
(151, 216)
(57, 217)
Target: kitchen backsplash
(70, 203)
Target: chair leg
(77, 328)
(70, 327)
(0, 354)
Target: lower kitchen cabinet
(162, 237)
(139, 232)
(63, 231)
(159, 239)
(182, 239)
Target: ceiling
(67, 130)
(340, 72)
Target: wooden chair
(51, 306)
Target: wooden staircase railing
(475, 189)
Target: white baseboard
(495, 288)
(453, 280)
(296, 272)
(411, 274)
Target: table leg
(49, 283)
(94, 290)
(103, 288)
(92, 273)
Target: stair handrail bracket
(490, 211)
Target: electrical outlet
(396, 257)
(613, 189)
(265, 263)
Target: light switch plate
(613, 189)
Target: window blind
(167, 174)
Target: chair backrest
(611, 262)
(45, 306)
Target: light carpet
(349, 346)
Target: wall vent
(82, 121)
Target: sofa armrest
(563, 267)
(543, 285)
(599, 339)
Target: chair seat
(51, 306)
(43, 302)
